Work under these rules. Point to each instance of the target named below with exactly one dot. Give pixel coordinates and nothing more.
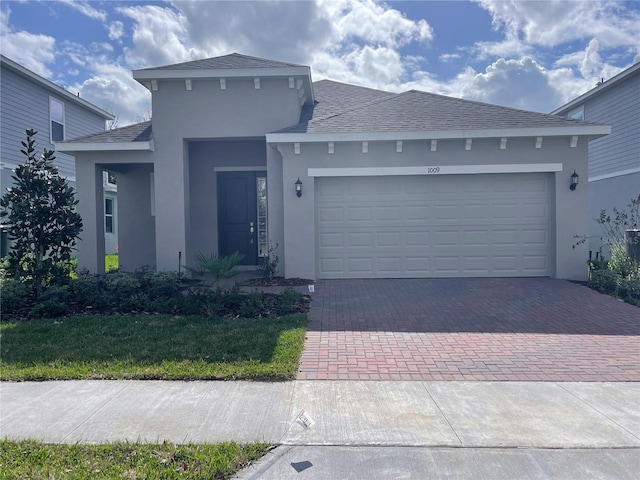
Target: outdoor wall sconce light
(575, 179)
(299, 187)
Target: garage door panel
(360, 239)
(360, 214)
(430, 226)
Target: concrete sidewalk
(454, 420)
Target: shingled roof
(138, 132)
(415, 111)
(233, 60)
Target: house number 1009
(433, 170)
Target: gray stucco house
(614, 160)
(348, 181)
(27, 101)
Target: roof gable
(231, 61)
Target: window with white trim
(56, 117)
(109, 226)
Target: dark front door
(237, 214)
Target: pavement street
(360, 429)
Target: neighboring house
(614, 160)
(29, 101)
(348, 181)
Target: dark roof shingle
(415, 111)
(233, 60)
(138, 132)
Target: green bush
(14, 296)
(48, 309)
(164, 284)
(604, 281)
(89, 291)
(288, 300)
(622, 264)
(58, 294)
(629, 289)
(121, 285)
(136, 302)
(252, 305)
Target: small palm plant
(218, 267)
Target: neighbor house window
(263, 247)
(577, 114)
(108, 215)
(56, 115)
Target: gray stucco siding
(238, 111)
(135, 224)
(620, 107)
(567, 221)
(25, 105)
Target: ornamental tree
(39, 215)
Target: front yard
(34, 460)
(165, 347)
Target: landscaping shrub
(58, 294)
(145, 292)
(289, 299)
(164, 284)
(629, 289)
(252, 305)
(604, 281)
(14, 296)
(48, 309)
(621, 264)
(89, 291)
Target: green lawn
(36, 461)
(110, 262)
(152, 347)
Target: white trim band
(582, 130)
(434, 170)
(104, 147)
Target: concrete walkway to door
(515, 329)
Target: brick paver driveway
(469, 329)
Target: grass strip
(34, 460)
(152, 347)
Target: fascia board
(104, 147)
(584, 130)
(159, 74)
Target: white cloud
(29, 50)
(554, 22)
(367, 21)
(86, 9)
(113, 88)
(116, 30)
(449, 57)
(160, 36)
(515, 83)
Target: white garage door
(488, 225)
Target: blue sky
(534, 55)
